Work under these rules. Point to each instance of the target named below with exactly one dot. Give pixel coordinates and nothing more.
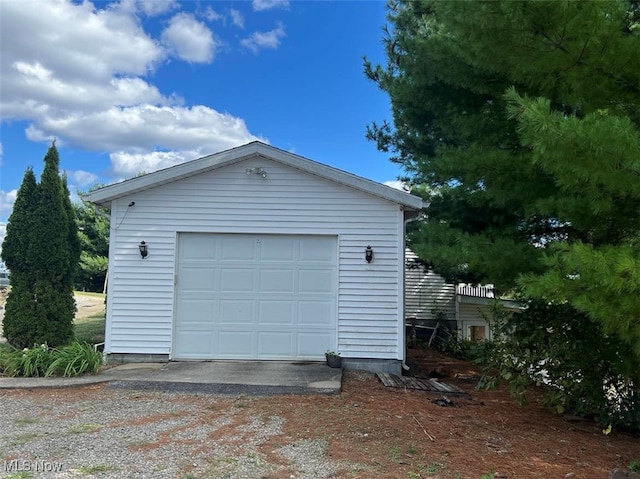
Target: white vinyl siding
(228, 200)
(426, 293)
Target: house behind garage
(256, 254)
(467, 309)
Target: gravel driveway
(105, 432)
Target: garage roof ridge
(103, 196)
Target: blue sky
(137, 85)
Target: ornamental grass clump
(36, 361)
(74, 360)
(41, 361)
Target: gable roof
(103, 196)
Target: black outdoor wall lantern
(368, 254)
(144, 251)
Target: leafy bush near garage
(545, 345)
(41, 361)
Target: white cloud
(398, 185)
(156, 7)
(75, 41)
(261, 5)
(210, 14)
(190, 39)
(261, 40)
(237, 18)
(80, 76)
(3, 232)
(74, 59)
(148, 127)
(7, 199)
(82, 178)
(38, 93)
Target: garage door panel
(195, 343)
(277, 249)
(233, 344)
(237, 248)
(277, 281)
(316, 281)
(234, 280)
(255, 297)
(317, 249)
(197, 247)
(275, 313)
(236, 311)
(311, 344)
(273, 344)
(200, 311)
(198, 279)
(315, 313)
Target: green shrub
(544, 345)
(474, 351)
(634, 466)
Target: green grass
(22, 439)
(90, 330)
(84, 428)
(88, 293)
(20, 475)
(25, 421)
(95, 469)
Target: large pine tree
(521, 121)
(42, 251)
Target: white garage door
(255, 296)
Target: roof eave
(103, 196)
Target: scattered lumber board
(408, 382)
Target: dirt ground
(88, 305)
(379, 432)
(405, 434)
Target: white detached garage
(256, 254)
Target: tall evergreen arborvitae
(43, 235)
(16, 248)
(74, 248)
(17, 241)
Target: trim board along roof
(103, 196)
